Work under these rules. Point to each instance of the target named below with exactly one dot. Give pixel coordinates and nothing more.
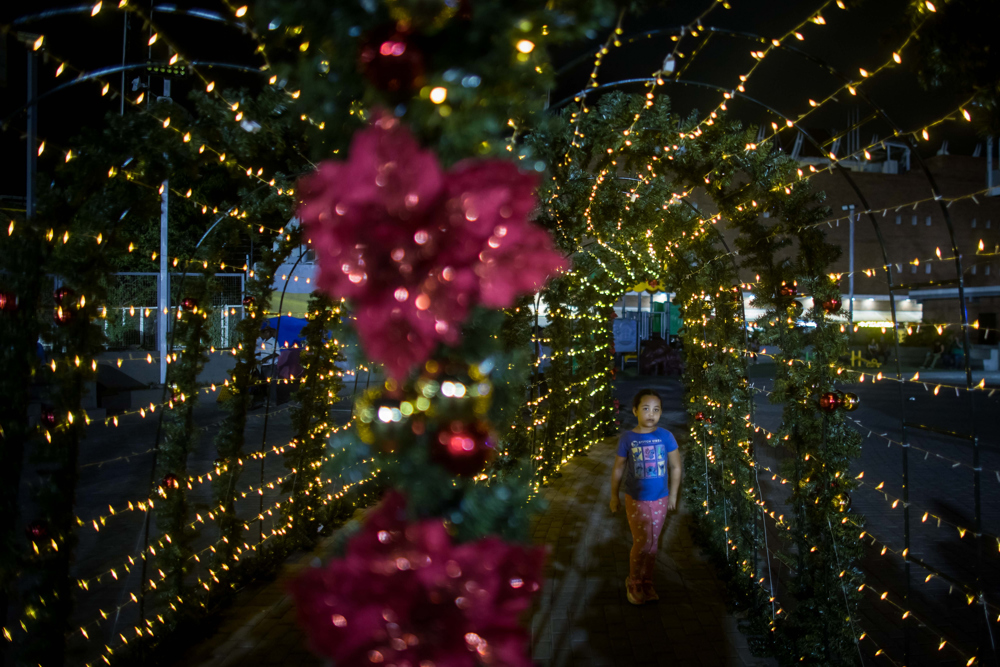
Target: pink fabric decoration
(415, 248)
(405, 595)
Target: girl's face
(648, 412)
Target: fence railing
(132, 318)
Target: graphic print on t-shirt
(649, 461)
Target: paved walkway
(581, 617)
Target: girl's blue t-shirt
(646, 475)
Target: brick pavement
(581, 617)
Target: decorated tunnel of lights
(618, 171)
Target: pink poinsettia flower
(414, 247)
(404, 594)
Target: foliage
(311, 422)
(652, 231)
(230, 440)
(180, 436)
(72, 323)
(954, 51)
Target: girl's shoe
(633, 593)
(649, 592)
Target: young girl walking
(644, 454)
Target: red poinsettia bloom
(414, 247)
(405, 595)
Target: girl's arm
(616, 481)
(676, 470)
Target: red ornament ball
(62, 316)
(60, 294)
(829, 401)
(37, 531)
(170, 481)
(48, 415)
(463, 449)
(189, 304)
(8, 302)
(699, 416)
(390, 61)
(248, 301)
(831, 305)
(788, 291)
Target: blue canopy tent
(289, 331)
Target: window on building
(928, 221)
(987, 271)
(927, 267)
(899, 220)
(987, 224)
(973, 223)
(974, 267)
(913, 268)
(914, 221)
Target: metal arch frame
(105, 71)
(892, 301)
(165, 9)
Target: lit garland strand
(197, 479)
(612, 39)
(970, 658)
(171, 403)
(696, 132)
(952, 463)
(969, 593)
(894, 502)
(779, 522)
(239, 12)
(207, 583)
(52, 237)
(875, 377)
(136, 104)
(749, 147)
(980, 248)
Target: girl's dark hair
(643, 393)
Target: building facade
(899, 205)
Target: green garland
(308, 507)
(230, 442)
(18, 368)
(652, 234)
(71, 320)
(180, 435)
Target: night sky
(861, 37)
